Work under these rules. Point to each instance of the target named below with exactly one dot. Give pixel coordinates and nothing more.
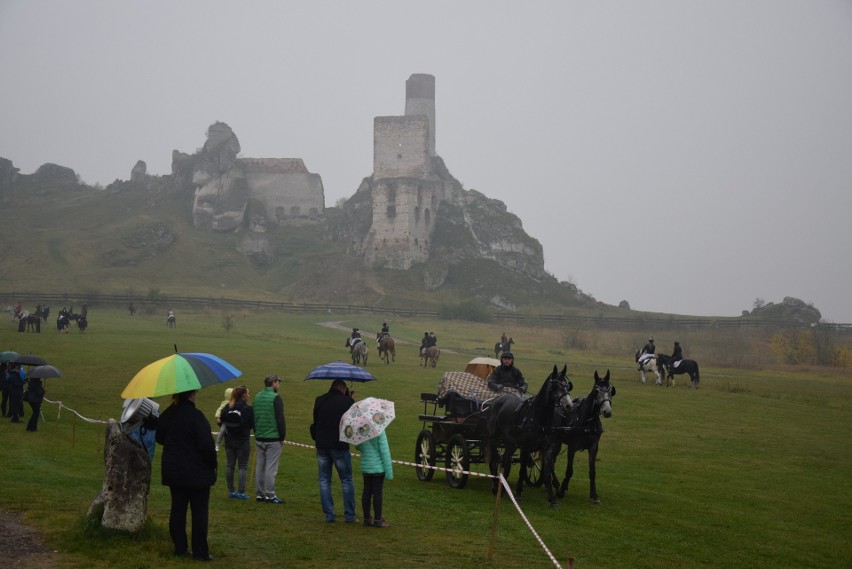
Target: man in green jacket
(270, 430)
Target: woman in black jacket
(34, 396)
(238, 416)
(189, 470)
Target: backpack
(233, 419)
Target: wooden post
(495, 518)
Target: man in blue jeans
(328, 409)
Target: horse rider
(507, 375)
(677, 354)
(353, 339)
(385, 329)
(647, 353)
(433, 341)
(424, 342)
(504, 339)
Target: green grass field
(750, 471)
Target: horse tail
(697, 378)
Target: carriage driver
(507, 375)
(647, 353)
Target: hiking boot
(380, 523)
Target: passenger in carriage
(507, 375)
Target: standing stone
(123, 501)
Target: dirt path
(22, 546)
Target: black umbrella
(30, 360)
(44, 372)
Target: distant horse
(132, 309)
(649, 365)
(82, 323)
(359, 353)
(689, 367)
(430, 355)
(33, 323)
(170, 321)
(44, 313)
(501, 347)
(513, 422)
(386, 347)
(582, 430)
(62, 322)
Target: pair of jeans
(266, 467)
(342, 461)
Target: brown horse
(386, 347)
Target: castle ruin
(406, 191)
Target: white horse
(359, 353)
(650, 365)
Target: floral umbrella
(366, 420)
(178, 373)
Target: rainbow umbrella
(178, 373)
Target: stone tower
(420, 100)
(406, 193)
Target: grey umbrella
(30, 360)
(44, 372)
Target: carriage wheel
(424, 454)
(458, 462)
(534, 469)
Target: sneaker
(241, 496)
(217, 448)
(380, 523)
(274, 500)
(368, 522)
(260, 499)
(233, 495)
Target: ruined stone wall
(403, 221)
(285, 187)
(401, 147)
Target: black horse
(33, 323)
(83, 323)
(62, 322)
(503, 347)
(514, 423)
(582, 431)
(689, 367)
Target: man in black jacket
(189, 470)
(328, 409)
(507, 375)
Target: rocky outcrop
(789, 310)
(139, 172)
(8, 173)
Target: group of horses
(539, 427)
(665, 367)
(386, 347)
(31, 322)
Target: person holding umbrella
(189, 470)
(16, 378)
(328, 409)
(34, 396)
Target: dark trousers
(372, 495)
(4, 405)
(16, 405)
(32, 425)
(199, 500)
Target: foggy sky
(687, 157)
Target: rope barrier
(502, 480)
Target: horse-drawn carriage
(478, 427)
(457, 436)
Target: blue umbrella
(340, 370)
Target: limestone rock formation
(123, 501)
(8, 173)
(790, 310)
(139, 172)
